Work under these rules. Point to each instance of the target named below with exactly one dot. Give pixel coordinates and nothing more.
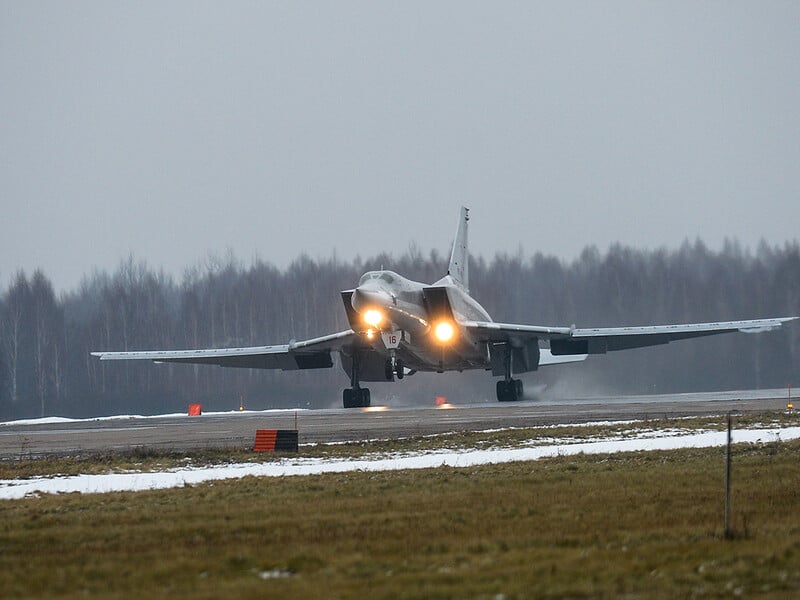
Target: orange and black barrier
(276, 440)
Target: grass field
(645, 524)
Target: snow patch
(182, 415)
(119, 482)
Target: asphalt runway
(237, 429)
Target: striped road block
(276, 440)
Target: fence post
(728, 483)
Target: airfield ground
(646, 524)
(638, 524)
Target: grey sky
(173, 129)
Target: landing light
(373, 317)
(444, 331)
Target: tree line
(45, 339)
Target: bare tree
(47, 326)
(15, 333)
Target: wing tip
(764, 325)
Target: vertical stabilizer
(459, 258)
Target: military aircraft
(400, 327)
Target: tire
(509, 391)
(502, 391)
(355, 398)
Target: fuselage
(425, 320)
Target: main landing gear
(509, 389)
(355, 396)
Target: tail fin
(459, 258)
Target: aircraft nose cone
(366, 298)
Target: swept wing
(307, 354)
(574, 341)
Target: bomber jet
(399, 327)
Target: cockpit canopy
(387, 276)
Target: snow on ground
(50, 420)
(117, 482)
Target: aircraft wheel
(502, 391)
(509, 391)
(355, 398)
(388, 371)
(398, 369)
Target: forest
(45, 339)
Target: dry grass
(639, 525)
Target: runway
(237, 429)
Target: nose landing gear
(393, 367)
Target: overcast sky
(171, 130)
